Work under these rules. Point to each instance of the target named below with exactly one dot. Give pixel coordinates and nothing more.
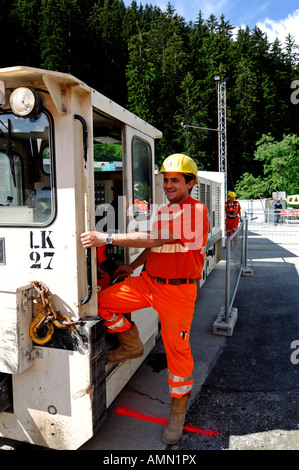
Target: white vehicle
(293, 200)
(53, 376)
(210, 191)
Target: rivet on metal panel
(30, 353)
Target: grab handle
(88, 250)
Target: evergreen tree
(58, 24)
(189, 117)
(23, 19)
(158, 62)
(109, 51)
(164, 70)
(292, 54)
(141, 77)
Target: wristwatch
(109, 239)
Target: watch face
(109, 239)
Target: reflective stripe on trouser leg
(175, 307)
(117, 323)
(179, 386)
(114, 322)
(124, 297)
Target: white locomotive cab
(70, 160)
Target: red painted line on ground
(135, 414)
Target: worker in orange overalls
(232, 213)
(174, 255)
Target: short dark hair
(188, 177)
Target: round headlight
(26, 102)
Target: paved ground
(251, 394)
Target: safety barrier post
(227, 278)
(246, 271)
(236, 265)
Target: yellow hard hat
(231, 194)
(178, 162)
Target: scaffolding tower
(222, 133)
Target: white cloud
(189, 11)
(207, 7)
(281, 28)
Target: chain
(42, 329)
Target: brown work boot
(130, 346)
(174, 428)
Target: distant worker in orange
(232, 214)
(174, 254)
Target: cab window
(142, 178)
(26, 171)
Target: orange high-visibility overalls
(168, 284)
(232, 210)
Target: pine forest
(163, 69)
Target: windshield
(26, 171)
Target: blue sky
(275, 17)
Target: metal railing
(264, 225)
(275, 226)
(236, 265)
(236, 261)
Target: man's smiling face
(175, 187)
